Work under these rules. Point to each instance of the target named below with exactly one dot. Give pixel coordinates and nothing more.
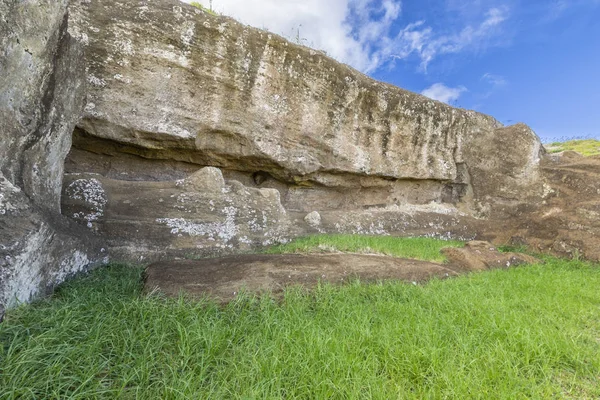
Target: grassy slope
(418, 248)
(527, 332)
(588, 147)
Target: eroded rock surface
(173, 89)
(201, 135)
(171, 82)
(224, 278)
(42, 80)
(42, 95)
(567, 222)
(202, 214)
(38, 250)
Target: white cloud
(420, 39)
(348, 30)
(358, 32)
(494, 80)
(441, 92)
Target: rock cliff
(171, 82)
(172, 89)
(42, 92)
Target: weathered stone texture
(225, 278)
(196, 216)
(42, 81)
(38, 250)
(567, 222)
(172, 89)
(42, 95)
(168, 81)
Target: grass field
(588, 147)
(529, 332)
(418, 248)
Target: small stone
(208, 179)
(313, 219)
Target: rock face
(196, 216)
(42, 96)
(567, 223)
(172, 89)
(171, 82)
(42, 81)
(200, 135)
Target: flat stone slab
(224, 278)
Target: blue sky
(532, 61)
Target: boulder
(42, 84)
(313, 219)
(226, 277)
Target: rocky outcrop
(196, 216)
(172, 89)
(171, 82)
(567, 222)
(42, 83)
(200, 135)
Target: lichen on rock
(42, 91)
(208, 90)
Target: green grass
(530, 332)
(589, 147)
(205, 9)
(418, 248)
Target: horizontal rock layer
(169, 81)
(196, 216)
(173, 89)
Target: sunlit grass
(417, 248)
(530, 332)
(588, 147)
(208, 10)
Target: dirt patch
(480, 256)
(224, 278)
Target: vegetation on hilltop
(205, 9)
(587, 147)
